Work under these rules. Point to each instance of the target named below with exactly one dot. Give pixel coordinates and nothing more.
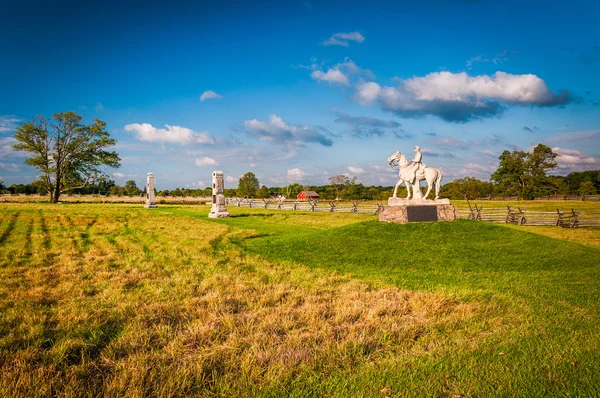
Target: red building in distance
(306, 195)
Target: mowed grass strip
(119, 300)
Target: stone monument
(218, 209)
(416, 208)
(150, 197)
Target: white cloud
(343, 39)
(574, 160)
(488, 153)
(6, 147)
(380, 168)
(476, 170)
(206, 161)
(209, 94)
(8, 123)
(279, 131)
(449, 142)
(252, 165)
(458, 97)
(591, 136)
(118, 175)
(333, 75)
(355, 170)
(198, 184)
(341, 72)
(498, 59)
(174, 134)
(9, 166)
(99, 107)
(367, 92)
(229, 179)
(296, 174)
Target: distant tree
(339, 182)
(524, 173)
(116, 190)
(263, 192)
(131, 188)
(229, 192)
(587, 188)
(67, 153)
(2, 186)
(248, 185)
(557, 185)
(176, 192)
(19, 189)
(468, 188)
(353, 190)
(574, 179)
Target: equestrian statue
(412, 173)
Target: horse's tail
(438, 180)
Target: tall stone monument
(218, 209)
(150, 197)
(418, 208)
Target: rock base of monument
(219, 214)
(151, 206)
(417, 202)
(402, 214)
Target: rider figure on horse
(416, 164)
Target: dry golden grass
(121, 301)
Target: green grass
(119, 300)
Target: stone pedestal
(418, 213)
(150, 197)
(218, 209)
(417, 202)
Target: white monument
(150, 197)
(411, 174)
(218, 209)
(418, 207)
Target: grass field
(118, 300)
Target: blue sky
(297, 91)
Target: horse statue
(431, 175)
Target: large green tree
(67, 153)
(248, 185)
(524, 173)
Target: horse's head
(397, 159)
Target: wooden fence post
(575, 222)
(510, 217)
(355, 206)
(522, 219)
(559, 218)
(332, 207)
(266, 202)
(295, 206)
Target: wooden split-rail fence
(354, 206)
(521, 216)
(511, 215)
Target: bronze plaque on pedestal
(421, 213)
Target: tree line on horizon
(72, 157)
